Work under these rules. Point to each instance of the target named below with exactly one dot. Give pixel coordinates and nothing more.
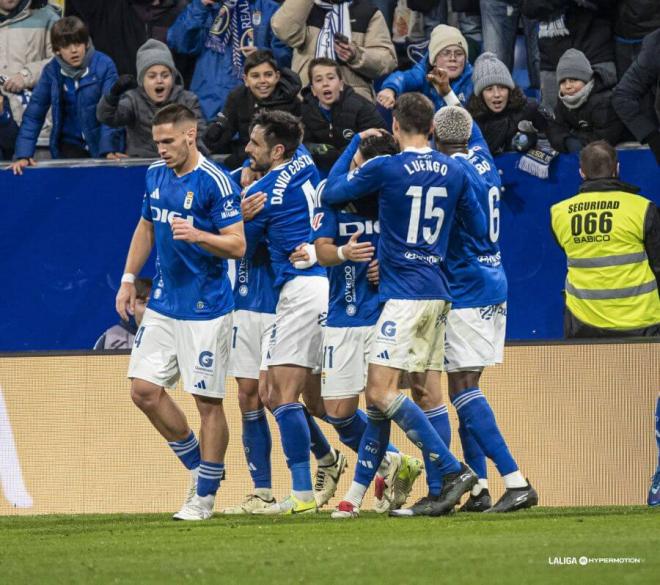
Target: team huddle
(379, 277)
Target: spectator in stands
(354, 33)
(221, 34)
(499, 24)
(332, 113)
(122, 335)
(634, 20)
(132, 21)
(445, 76)
(24, 49)
(611, 237)
(584, 112)
(133, 104)
(499, 106)
(637, 97)
(8, 130)
(266, 86)
(584, 25)
(72, 84)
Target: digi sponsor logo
(368, 227)
(388, 329)
(167, 216)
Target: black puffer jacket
(637, 97)
(326, 139)
(636, 18)
(590, 30)
(499, 129)
(232, 134)
(593, 120)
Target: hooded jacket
(350, 115)
(241, 107)
(136, 112)
(414, 79)
(214, 79)
(593, 120)
(99, 138)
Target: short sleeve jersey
(190, 283)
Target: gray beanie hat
(489, 70)
(452, 125)
(152, 53)
(574, 65)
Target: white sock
(481, 485)
(328, 458)
(265, 494)
(356, 493)
(304, 495)
(514, 480)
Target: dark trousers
(576, 329)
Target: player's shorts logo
(388, 329)
(206, 359)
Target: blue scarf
(233, 24)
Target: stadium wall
(66, 231)
(578, 417)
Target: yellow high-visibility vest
(609, 282)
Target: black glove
(123, 84)
(215, 131)
(654, 144)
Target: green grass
(464, 548)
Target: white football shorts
(410, 335)
(297, 333)
(249, 342)
(475, 338)
(197, 351)
(345, 361)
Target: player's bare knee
(145, 395)
(208, 407)
(248, 395)
(459, 381)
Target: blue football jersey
(474, 264)
(421, 190)
(353, 301)
(190, 283)
(285, 221)
(254, 289)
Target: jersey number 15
(429, 234)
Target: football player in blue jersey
(294, 353)
(476, 323)
(421, 191)
(191, 212)
(345, 241)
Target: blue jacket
(414, 79)
(213, 78)
(99, 138)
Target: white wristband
(128, 277)
(340, 253)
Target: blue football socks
(294, 432)
(187, 451)
(208, 479)
(373, 445)
(257, 445)
(439, 419)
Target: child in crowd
(8, 130)
(446, 78)
(267, 86)
(498, 105)
(332, 113)
(71, 84)
(584, 111)
(133, 104)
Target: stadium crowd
(70, 90)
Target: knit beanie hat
(452, 125)
(443, 36)
(153, 52)
(489, 70)
(574, 65)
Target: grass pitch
(464, 548)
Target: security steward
(611, 237)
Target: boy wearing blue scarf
(221, 33)
(447, 63)
(71, 84)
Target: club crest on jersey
(317, 221)
(188, 201)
